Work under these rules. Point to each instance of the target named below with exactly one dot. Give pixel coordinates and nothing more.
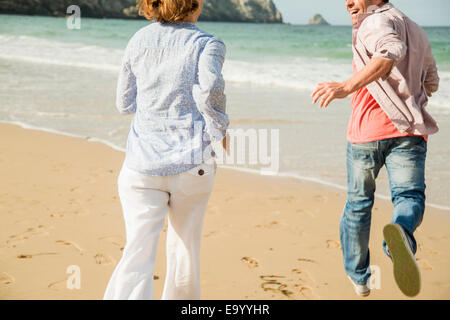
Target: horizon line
(200, 21)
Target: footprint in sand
(56, 215)
(270, 225)
(229, 199)
(60, 167)
(26, 222)
(31, 232)
(305, 291)
(273, 283)
(426, 250)
(210, 234)
(302, 287)
(103, 259)
(333, 244)
(115, 240)
(30, 256)
(424, 264)
(297, 271)
(251, 263)
(305, 260)
(321, 198)
(303, 275)
(431, 251)
(6, 279)
(287, 199)
(58, 285)
(15, 239)
(24, 256)
(213, 210)
(309, 213)
(68, 243)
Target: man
(395, 73)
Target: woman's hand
(225, 144)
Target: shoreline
(280, 175)
(278, 238)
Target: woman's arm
(209, 93)
(126, 88)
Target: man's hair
(166, 11)
(385, 1)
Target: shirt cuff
(216, 135)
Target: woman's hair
(166, 11)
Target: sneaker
(406, 269)
(361, 290)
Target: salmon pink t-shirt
(368, 122)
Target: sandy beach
(264, 238)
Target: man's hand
(330, 91)
(374, 70)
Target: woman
(171, 78)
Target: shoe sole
(364, 295)
(406, 269)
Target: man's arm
(376, 68)
(384, 43)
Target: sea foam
(298, 73)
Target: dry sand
(264, 238)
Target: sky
(424, 12)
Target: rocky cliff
(214, 10)
(318, 20)
(241, 11)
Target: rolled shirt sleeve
(126, 87)
(380, 38)
(209, 92)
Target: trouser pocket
(199, 180)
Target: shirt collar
(385, 7)
(363, 16)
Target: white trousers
(146, 200)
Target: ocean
(62, 80)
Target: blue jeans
(405, 163)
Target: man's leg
(363, 166)
(405, 162)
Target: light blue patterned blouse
(171, 78)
